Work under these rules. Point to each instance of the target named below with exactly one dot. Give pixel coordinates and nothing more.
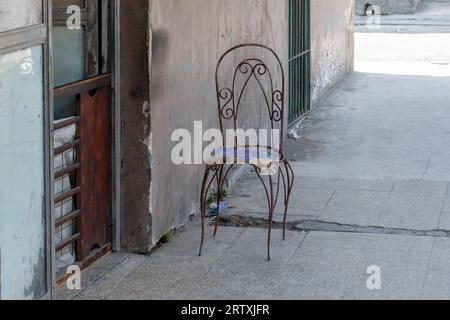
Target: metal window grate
(299, 59)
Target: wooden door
(93, 108)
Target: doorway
(82, 110)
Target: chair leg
(271, 200)
(285, 192)
(271, 211)
(203, 198)
(219, 178)
(288, 186)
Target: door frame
(116, 126)
(115, 134)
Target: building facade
(87, 112)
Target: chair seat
(258, 156)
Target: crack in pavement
(315, 225)
(434, 154)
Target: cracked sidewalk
(308, 265)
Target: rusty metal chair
(263, 158)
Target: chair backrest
(264, 68)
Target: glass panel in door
(22, 186)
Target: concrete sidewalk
(375, 154)
(372, 190)
(377, 194)
(314, 265)
(345, 204)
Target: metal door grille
(299, 59)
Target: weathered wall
(332, 43)
(136, 169)
(388, 6)
(188, 38)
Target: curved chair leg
(219, 177)
(221, 182)
(272, 197)
(288, 186)
(206, 185)
(269, 239)
(285, 192)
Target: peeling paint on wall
(332, 44)
(136, 126)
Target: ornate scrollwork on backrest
(261, 70)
